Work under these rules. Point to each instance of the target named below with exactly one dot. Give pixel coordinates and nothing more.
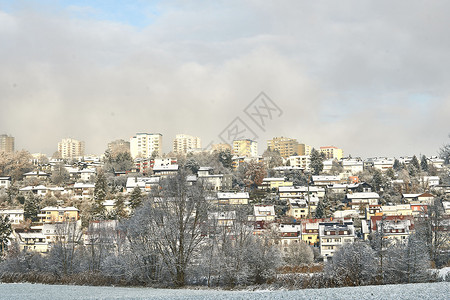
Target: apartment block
(118, 146)
(332, 152)
(183, 143)
(70, 148)
(6, 143)
(143, 145)
(246, 147)
(286, 146)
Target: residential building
(70, 148)
(51, 214)
(310, 231)
(220, 147)
(286, 146)
(33, 241)
(300, 161)
(6, 143)
(325, 180)
(5, 182)
(146, 145)
(353, 166)
(393, 227)
(233, 198)
(333, 235)
(246, 147)
(183, 143)
(146, 184)
(118, 146)
(298, 209)
(264, 213)
(332, 152)
(274, 183)
(15, 216)
(288, 234)
(397, 210)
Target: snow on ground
(422, 291)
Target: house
(446, 205)
(15, 216)
(216, 182)
(274, 183)
(146, 184)
(224, 219)
(39, 190)
(352, 166)
(51, 214)
(33, 241)
(333, 235)
(165, 170)
(431, 181)
(5, 182)
(393, 227)
(265, 213)
(419, 209)
(363, 198)
(310, 231)
(83, 190)
(288, 234)
(298, 209)
(419, 198)
(289, 192)
(37, 174)
(236, 198)
(397, 210)
(383, 164)
(320, 180)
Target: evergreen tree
(316, 164)
(377, 180)
(100, 191)
(320, 210)
(31, 208)
(5, 232)
(136, 198)
(415, 163)
(192, 165)
(397, 165)
(119, 208)
(225, 157)
(424, 163)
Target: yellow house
(310, 231)
(397, 210)
(275, 183)
(32, 241)
(51, 214)
(298, 208)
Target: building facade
(6, 143)
(70, 148)
(246, 147)
(145, 144)
(286, 146)
(119, 146)
(183, 143)
(332, 152)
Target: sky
(370, 77)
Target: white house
(5, 182)
(15, 215)
(333, 235)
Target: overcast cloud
(370, 77)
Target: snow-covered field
(29, 291)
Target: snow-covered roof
(268, 179)
(58, 208)
(325, 178)
(366, 195)
(411, 195)
(40, 173)
(80, 185)
(240, 195)
(166, 168)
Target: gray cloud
(369, 77)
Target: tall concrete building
(69, 148)
(183, 143)
(145, 144)
(286, 146)
(332, 152)
(119, 146)
(245, 147)
(6, 143)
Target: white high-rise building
(145, 144)
(183, 143)
(69, 148)
(245, 147)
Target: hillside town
(223, 215)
